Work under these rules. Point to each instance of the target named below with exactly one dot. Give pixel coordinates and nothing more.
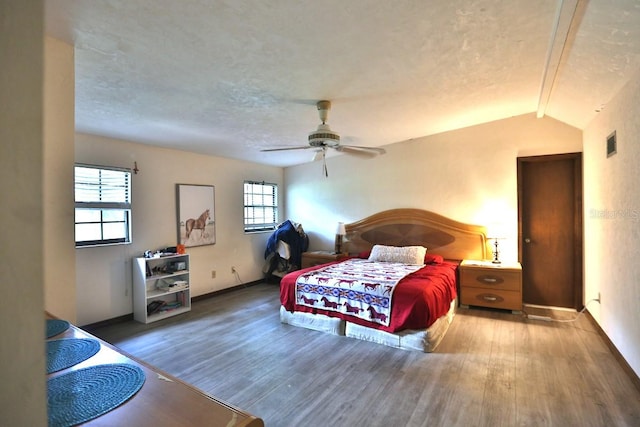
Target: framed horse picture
(196, 220)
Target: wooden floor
(491, 369)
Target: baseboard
(618, 356)
(108, 322)
(129, 317)
(550, 307)
(226, 290)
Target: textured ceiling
(231, 77)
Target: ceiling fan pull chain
(324, 164)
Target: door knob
(527, 240)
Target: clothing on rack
(284, 248)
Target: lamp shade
(496, 230)
(340, 230)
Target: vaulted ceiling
(232, 77)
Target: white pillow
(406, 254)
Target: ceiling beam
(564, 19)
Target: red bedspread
(419, 299)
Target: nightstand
(310, 259)
(485, 284)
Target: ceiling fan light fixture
(324, 136)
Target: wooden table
(163, 400)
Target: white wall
(468, 175)
(58, 242)
(103, 274)
(612, 221)
(23, 398)
(101, 286)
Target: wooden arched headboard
(406, 227)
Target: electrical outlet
(233, 270)
(213, 274)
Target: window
(260, 206)
(102, 205)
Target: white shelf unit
(149, 274)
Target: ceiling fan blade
(304, 147)
(360, 151)
(322, 154)
(373, 149)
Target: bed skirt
(425, 340)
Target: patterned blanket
(356, 287)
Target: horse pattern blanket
(356, 287)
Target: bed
(424, 301)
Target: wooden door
(550, 229)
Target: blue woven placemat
(79, 396)
(64, 353)
(56, 326)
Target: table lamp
(495, 233)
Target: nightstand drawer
(492, 278)
(511, 300)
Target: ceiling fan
(324, 138)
